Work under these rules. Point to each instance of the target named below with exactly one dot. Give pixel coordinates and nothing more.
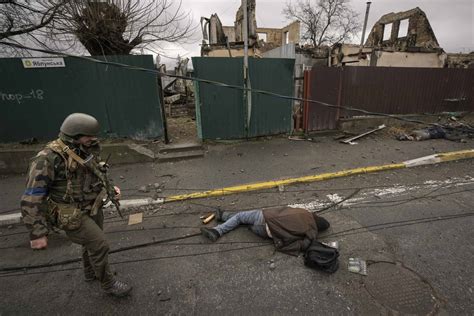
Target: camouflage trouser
(95, 248)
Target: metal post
(245, 33)
(247, 94)
(162, 108)
(365, 25)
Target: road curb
(426, 160)
(10, 219)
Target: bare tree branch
(100, 27)
(116, 27)
(23, 18)
(325, 22)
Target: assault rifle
(100, 171)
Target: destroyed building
(228, 41)
(461, 60)
(403, 31)
(403, 39)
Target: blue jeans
(233, 220)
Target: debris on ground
(208, 218)
(332, 244)
(357, 265)
(143, 189)
(135, 218)
(351, 140)
(299, 138)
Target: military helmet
(80, 124)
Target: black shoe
(218, 214)
(210, 233)
(118, 289)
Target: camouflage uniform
(56, 184)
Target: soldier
(66, 187)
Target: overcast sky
(451, 20)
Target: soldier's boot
(118, 289)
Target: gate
(222, 112)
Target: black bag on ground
(321, 257)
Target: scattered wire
(327, 208)
(274, 191)
(3, 275)
(46, 265)
(402, 201)
(366, 204)
(10, 271)
(389, 225)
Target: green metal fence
(220, 109)
(271, 115)
(223, 112)
(34, 101)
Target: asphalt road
(419, 218)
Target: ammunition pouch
(68, 216)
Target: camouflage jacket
(52, 176)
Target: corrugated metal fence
(222, 112)
(34, 101)
(387, 90)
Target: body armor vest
(73, 182)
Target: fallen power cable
(7, 271)
(69, 261)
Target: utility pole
(365, 26)
(247, 94)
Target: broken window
(387, 31)
(403, 29)
(262, 36)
